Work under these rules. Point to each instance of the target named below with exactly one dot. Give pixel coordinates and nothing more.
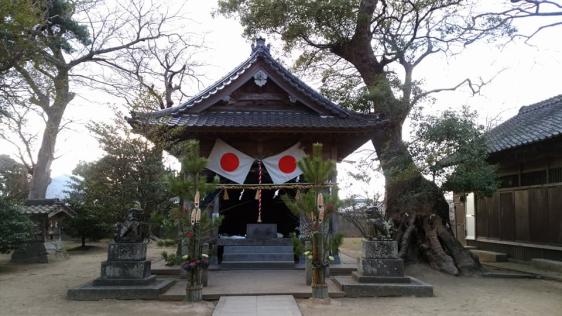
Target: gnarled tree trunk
(419, 209)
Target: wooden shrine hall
(254, 124)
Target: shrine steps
(258, 265)
(258, 257)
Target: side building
(524, 216)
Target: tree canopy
(14, 180)
(451, 149)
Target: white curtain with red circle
(284, 166)
(229, 162)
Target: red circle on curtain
(287, 164)
(229, 162)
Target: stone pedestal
(380, 272)
(125, 275)
(126, 265)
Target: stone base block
(89, 292)
(381, 267)
(378, 279)
(135, 251)
(30, 252)
(125, 269)
(375, 249)
(119, 282)
(261, 231)
(352, 288)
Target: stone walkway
(269, 305)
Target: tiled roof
(50, 207)
(265, 119)
(259, 50)
(533, 123)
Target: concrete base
(550, 265)
(120, 282)
(90, 292)
(254, 283)
(352, 288)
(489, 256)
(361, 278)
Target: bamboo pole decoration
(193, 216)
(320, 206)
(197, 215)
(225, 195)
(196, 199)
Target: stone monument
(126, 273)
(380, 271)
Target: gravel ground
(454, 296)
(40, 289)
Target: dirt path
(40, 289)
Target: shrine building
(253, 125)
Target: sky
(529, 73)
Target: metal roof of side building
(534, 123)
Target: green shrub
(166, 243)
(15, 227)
(298, 245)
(336, 242)
(171, 259)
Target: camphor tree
(75, 34)
(316, 205)
(192, 217)
(366, 52)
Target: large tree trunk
(42, 171)
(415, 204)
(419, 209)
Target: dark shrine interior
(240, 210)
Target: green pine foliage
(15, 227)
(317, 171)
(184, 186)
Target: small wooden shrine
(259, 110)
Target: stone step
(547, 264)
(257, 257)
(263, 265)
(489, 256)
(257, 249)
